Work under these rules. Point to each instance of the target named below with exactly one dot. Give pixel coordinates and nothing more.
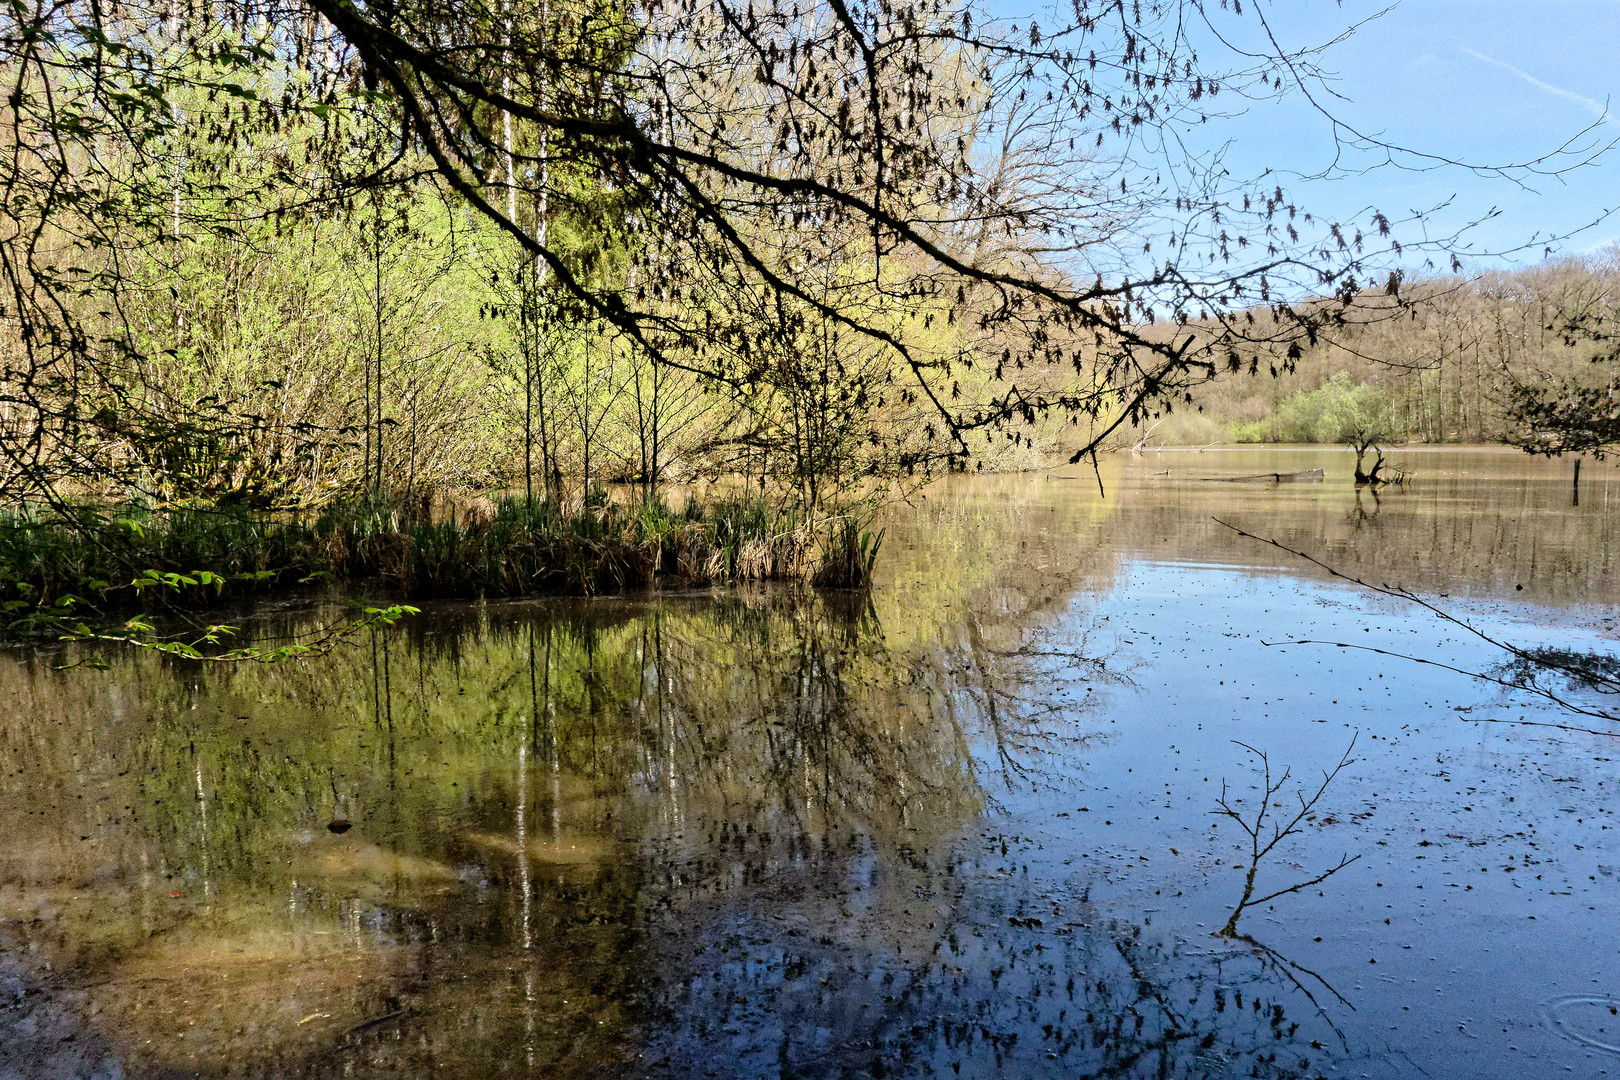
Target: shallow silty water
(964, 826)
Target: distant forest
(1459, 366)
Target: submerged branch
(1593, 671)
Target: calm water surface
(960, 828)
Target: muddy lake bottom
(964, 826)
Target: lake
(964, 826)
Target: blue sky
(1483, 80)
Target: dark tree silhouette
(1575, 410)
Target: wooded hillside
(1465, 360)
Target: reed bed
(112, 558)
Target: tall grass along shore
(118, 558)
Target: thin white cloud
(1596, 108)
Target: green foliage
(297, 360)
(210, 642)
(63, 572)
(850, 554)
(280, 259)
(1341, 410)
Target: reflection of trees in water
(789, 709)
(1471, 520)
(1025, 687)
(855, 940)
(822, 725)
(1366, 511)
(519, 789)
(807, 726)
(956, 972)
(562, 826)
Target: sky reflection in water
(962, 828)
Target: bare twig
(1262, 842)
(1538, 723)
(1531, 660)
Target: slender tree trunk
(377, 311)
(526, 342)
(657, 416)
(585, 424)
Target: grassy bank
(120, 559)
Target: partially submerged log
(1304, 476)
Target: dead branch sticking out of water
(1261, 844)
(1304, 476)
(1589, 670)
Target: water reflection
(746, 835)
(963, 969)
(540, 803)
(1482, 521)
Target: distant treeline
(1447, 366)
